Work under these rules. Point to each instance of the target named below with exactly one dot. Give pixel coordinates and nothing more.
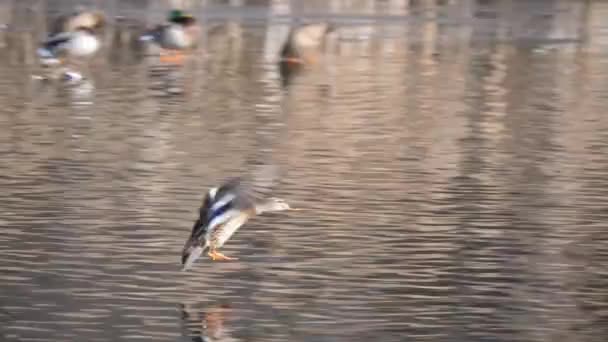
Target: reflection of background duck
(207, 325)
(305, 46)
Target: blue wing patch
(219, 211)
(54, 42)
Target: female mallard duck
(180, 33)
(82, 42)
(225, 209)
(73, 35)
(305, 44)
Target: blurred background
(451, 155)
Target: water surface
(455, 179)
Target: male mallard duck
(305, 43)
(181, 32)
(224, 210)
(82, 42)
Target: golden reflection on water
(454, 184)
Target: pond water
(454, 183)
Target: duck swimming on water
(180, 33)
(80, 43)
(73, 35)
(224, 210)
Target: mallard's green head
(179, 17)
(175, 14)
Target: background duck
(305, 44)
(74, 35)
(79, 43)
(224, 210)
(180, 33)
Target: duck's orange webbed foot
(217, 256)
(311, 60)
(293, 60)
(173, 57)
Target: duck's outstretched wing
(230, 189)
(232, 197)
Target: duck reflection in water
(304, 46)
(206, 325)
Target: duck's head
(175, 14)
(95, 20)
(180, 17)
(84, 29)
(99, 19)
(274, 204)
(279, 204)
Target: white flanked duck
(224, 210)
(82, 42)
(75, 35)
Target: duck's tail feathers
(45, 53)
(47, 57)
(146, 37)
(191, 253)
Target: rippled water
(455, 184)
